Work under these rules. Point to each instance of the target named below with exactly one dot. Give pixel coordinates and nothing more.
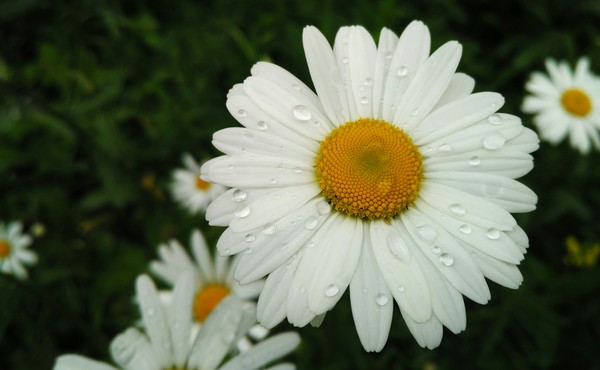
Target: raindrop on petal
(402, 71)
(495, 119)
(444, 148)
(331, 290)
(268, 229)
(398, 247)
(457, 209)
(238, 195)
(493, 233)
(381, 299)
(446, 259)
(493, 141)
(364, 100)
(250, 238)
(302, 113)
(475, 161)
(465, 229)
(242, 113)
(262, 125)
(311, 222)
(242, 211)
(436, 249)
(427, 233)
(323, 207)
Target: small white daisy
(213, 275)
(566, 103)
(13, 250)
(190, 190)
(166, 346)
(395, 181)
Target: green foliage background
(99, 99)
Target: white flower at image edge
(189, 190)
(166, 344)
(394, 180)
(565, 103)
(14, 252)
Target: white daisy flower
(190, 190)
(165, 345)
(14, 254)
(395, 181)
(566, 103)
(213, 277)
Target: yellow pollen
(576, 102)
(370, 169)
(4, 248)
(207, 298)
(201, 184)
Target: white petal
(428, 334)
(500, 272)
(249, 291)
(332, 263)
(274, 206)
(76, 362)
(427, 87)
(447, 255)
(131, 350)
(411, 52)
(282, 367)
(371, 300)
(325, 75)
(27, 257)
(180, 317)
(393, 250)
(155, 319)
(264, 352)
(460, 86)
(222, 210)
(539, 84)
(202, 255)
(385, 50)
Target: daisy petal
(500, 272)
(76, 362)
(202, 255)
(371, 300)
(222, 210)
(181, 317)
(132, 350)
(264, 352)
(428, 334)
(460, 86)
(385, 51)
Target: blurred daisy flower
(190, 190)
(14, 254)
(213, 277)
(166, 343)
(395, 181)
(566, 103)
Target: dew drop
(493, 233)
(398, 247)
(364, 100)
(444, 148)
(465, 229)
(262, 125)
(436, 249)
(381, 299)
(495, 119)
(301, 113)
(311, 222)
(415, 112)
(250, 238)
(248, 251)
(226, 252)
(323, 207)
(296, 87)
(446, 259)
(242, 211)
(238, 195)
(427, 233)
(273, 180)
(331, 290)
(400, 288)
(242, 113)
(493, 141)
(389, 55)
(310, 244)
(297, 170)
(268, 229)
(475, 161)
(368, 81)
(402, 71)
(457, 209)
(345, 60)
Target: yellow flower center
(201, 184)
(207, 298)
(576, 102)
(4, 248)
(369, 168)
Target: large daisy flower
(189, 190)
(166, 344)
(14, 254)
(566, 103)
(213, 276)
(393, 180)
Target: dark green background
(96, 96)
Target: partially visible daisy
(566, 103)
(165, 344)
(394, 182)
(190, 190)
(14, 254)
(213, 275)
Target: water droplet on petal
(273, 180)
(381, 299)
(331, 290)
(302, 113)
(323, 207)
(226, 252)
(402, 71)
(297, 170)
(248, 251)
(436, 249)
(415, 112)
(446, 259)
(310, 244)
(427, 233)
(250, 238)
(368, 81)
(238, 195)
(493, 141)
(465, 229)
(444, 148)
(400, 289)
(364, 100)
(457, 209)
(345, 60)
(242, 113)
(262, 125)
(475, 161)
(311, 222)
(296, 87)
(389, 55)
(493, 233)
(495, 119)
(242, 211)
(398, 247)
(268, 229)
